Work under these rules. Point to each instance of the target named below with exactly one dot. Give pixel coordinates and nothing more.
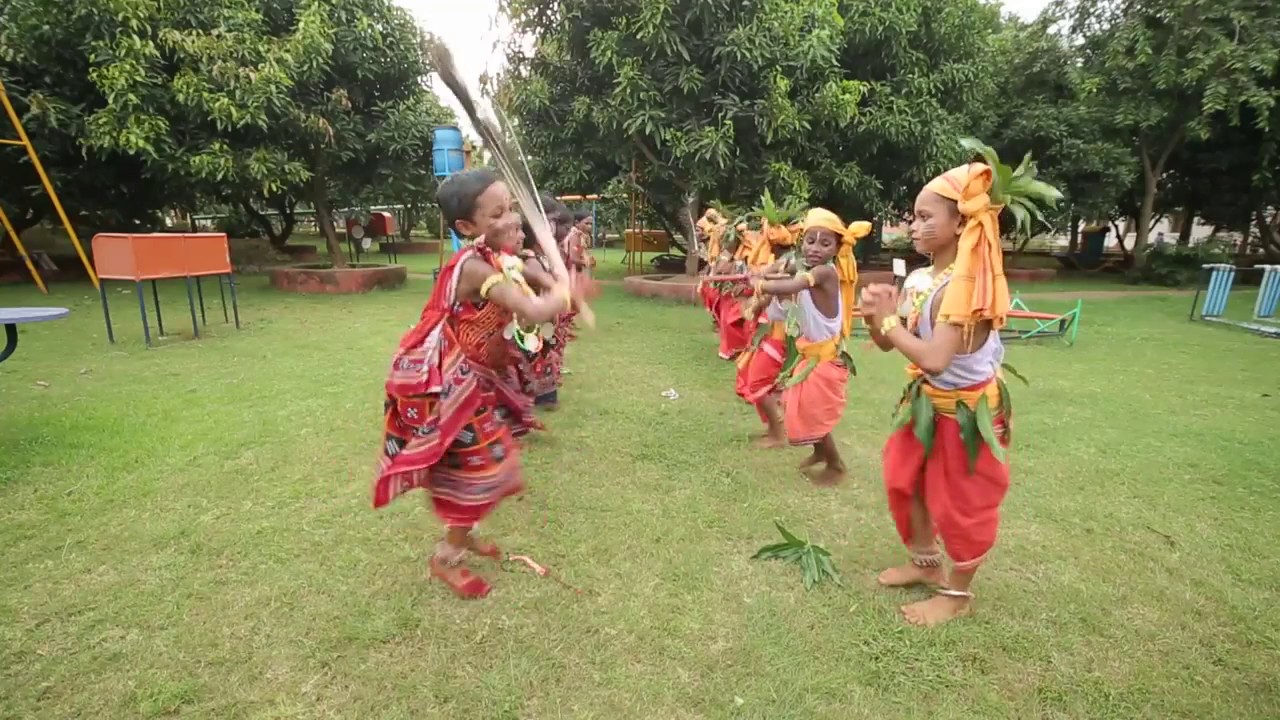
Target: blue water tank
(446, 151)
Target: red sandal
(459, 579)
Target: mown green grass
(187, 532)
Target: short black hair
(581, 215)
(457, 194)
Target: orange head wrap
(781, 235)
(978, 291)
(846, 265)
(754, 249)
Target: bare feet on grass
(911, 574)
(936, 610)
(769, 442)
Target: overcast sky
(471, 27)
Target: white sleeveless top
(966, 370)
(814, 326)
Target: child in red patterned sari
(452, 413)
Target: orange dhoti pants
(963, 506)
(814, 407)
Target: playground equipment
(25, 142)
(1026, 324)
(1217, 280)
(160, 256)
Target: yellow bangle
(568, 298)
(758, 286)
(492, 280)
(888, 324)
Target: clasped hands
(878, 301)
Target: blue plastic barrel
(446, 151)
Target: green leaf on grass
(786, 534)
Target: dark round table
(11, 318)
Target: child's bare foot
(811, 461)
(462, 581)
(937, 610)
(484, 548)
(912, 574)
(769, 442)
(829, 476)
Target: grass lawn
(187, 532)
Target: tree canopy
(257, 103)
(854, 105)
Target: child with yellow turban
(944, 465)
(822, 315)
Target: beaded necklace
(917, 304)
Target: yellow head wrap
(846, 265)
(714, 234)
(978, 291)
(754, 249)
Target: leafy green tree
(1166, 71)
(1045, 108)
(251, 103)
(849, 104)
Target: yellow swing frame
(25, 142)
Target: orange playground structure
(143, 257)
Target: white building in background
(1166, 230)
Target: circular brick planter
(322, 278)
(301, 253)
(680, 288)
(417, 247)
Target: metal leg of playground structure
(106, 311)
(142, 308)
(235, 305)
(223, 294)
(191, 303)
(200, 294)
(155, 295)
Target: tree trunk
(691, 211)
(408, 220)
(1073, 239)
(1184, 232)
(1268, 233)
(1120, 236)
(1151, 174)
(288, 219)
(324, 218)
(1145, 211)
